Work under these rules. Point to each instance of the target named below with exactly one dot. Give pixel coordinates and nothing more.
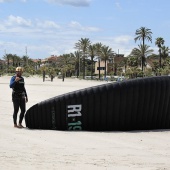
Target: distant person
(63, 76)
(43, 75)
(19, 96)
(52, 77)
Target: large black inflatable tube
(139, 104)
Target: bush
(25, 74)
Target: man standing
(19, 96)
(43, 75)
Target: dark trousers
(18, 103)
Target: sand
(50, 149)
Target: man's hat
(19, 69)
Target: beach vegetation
(97, 61)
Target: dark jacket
(18, 87)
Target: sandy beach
(25, 149)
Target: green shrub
(25, 74)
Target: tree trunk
(84, 67)
(99, 68)
(142, 62)
(160, 57)
(143, 54)
(105, 69)
(92, 69)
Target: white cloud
(17, 20)
(123, 39)
(2, 1)
(43, 39)
(10, 47)
(47, 24)
(2, 27)
(76, 25)
(22, 25)
(44, 29)
(76, 3)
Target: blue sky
(52, 27)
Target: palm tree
(143, 34)
(159, 42)
(165, 52)
(132, 61)
(67, 62)
(138, 52)
(106, 54)
(91, 52)
(13, 59)
(83, 45)
(77, 56)
(7, 58)
(124, 63)
(167, 62)
(25, 60)
(98, 47)
(18, 60)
